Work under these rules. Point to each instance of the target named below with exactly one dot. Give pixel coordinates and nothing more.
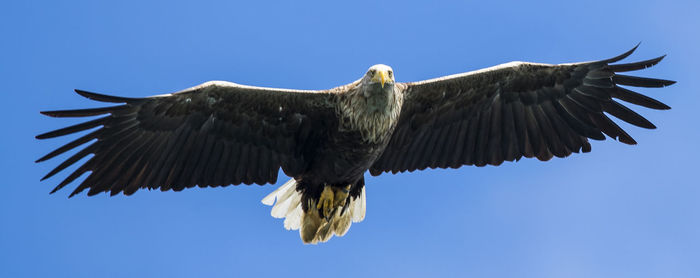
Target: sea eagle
(222, 133)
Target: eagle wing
(517, 109)
(215, 134)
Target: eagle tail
(312, 227)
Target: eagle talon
(331, 199)
(341, 196)
(325, 202)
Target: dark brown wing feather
(211, 135)
(514, 110)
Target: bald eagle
(221, 133)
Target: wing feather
(509, 140)
(494, 152)
(638, 99)
(470, 144)
(526, 146)
(455, 160)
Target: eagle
(222, 133)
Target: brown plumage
(221, 133)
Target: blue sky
(619, 211)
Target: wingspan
(215, 134)
(517, 109)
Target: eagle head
(378, 78)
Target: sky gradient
(619, 211)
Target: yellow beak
(381, 76)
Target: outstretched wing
(215, 134)
(515, 110)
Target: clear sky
(619, 211)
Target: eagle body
(221, 133)
(364, 127)
(367, 115)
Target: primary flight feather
(221, 133)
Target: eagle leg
(331, 199)
(325, 202)
(341, 196)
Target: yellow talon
(325, 202)
(331, 199)
(341, 195)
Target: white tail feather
(270, 198)
(287, 205)
(359, 207)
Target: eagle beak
(381, 77)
